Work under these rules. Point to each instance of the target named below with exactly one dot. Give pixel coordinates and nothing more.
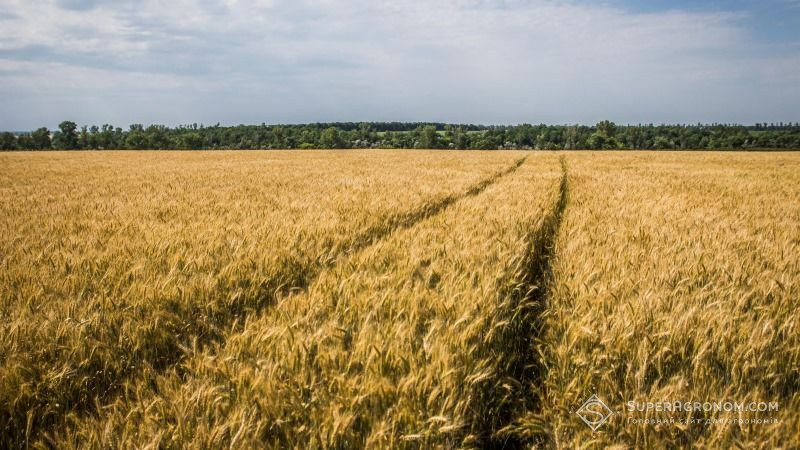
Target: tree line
(602, 136)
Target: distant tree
(279, 137)
(524, 136)
(157, 137)
(8, 141)
(604, 137)
(83, 137)
(119, 138)
(330, 138)
(460, 138)
(429, 137)
(541, 141)
(191, 141)
(40, 139)
(365, 132)
(662, 143)
(485, 142)
(310, 137)
(136, 138)
(67, 137)
(105, 138)
(571, 138)
(599, 141)
(609, 129)
(94, 137)
(24, 142)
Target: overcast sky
(478, 61)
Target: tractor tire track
(517, 363)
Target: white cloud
(455, 60)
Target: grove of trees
(604, 135)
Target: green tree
(330, 138)
(662, 142)
(460, 138)
(136, 139)
(83, 137)
(67, 137)
(94, 137)
(523, 136)
(191, 141)
(105, 139)
(40, 139)
(604, 137)
(429, 138)
(607, 128)
(571, 139)
(157, 137)
(365, 132)
(279, 137)
(8, 141)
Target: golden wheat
(387, 299)
(113, 263)
(676, 279)
(398, 345)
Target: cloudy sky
(479, 61)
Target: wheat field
(676, 279)
(395, 299)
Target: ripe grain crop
(384, 299)
(410, 342)
(114, 265)
(677, 278)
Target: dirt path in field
(524, 364)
